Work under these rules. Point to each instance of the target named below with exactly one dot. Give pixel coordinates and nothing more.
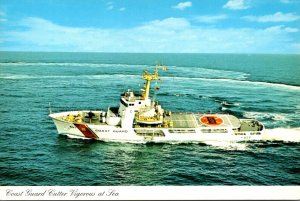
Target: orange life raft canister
(211, 120)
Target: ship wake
(283, 134)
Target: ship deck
(192, 120)
(182, 120)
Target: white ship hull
(105, 132)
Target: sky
(151, 26)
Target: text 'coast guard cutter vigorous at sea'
(140, 119)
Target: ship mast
(149, 77)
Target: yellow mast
(148, 77)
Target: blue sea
(265, 87)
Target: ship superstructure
(140, 119)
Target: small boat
(140, 119)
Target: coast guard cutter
(140, 119)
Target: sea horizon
(227, 53)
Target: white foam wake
(226, 145)
(72, 64)
(18, 77)
(283, 134)
(245, 83)
(210, 73)
(76, 137)
(267, 115)
(104, 76)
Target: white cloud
(291, 30)
(2, 16)
(183, 5)
(109, 5)
(167, 35)
(169, 23)
(277, 17)
(211, 18)
(237, 5)
(281, 28)
(122, 9)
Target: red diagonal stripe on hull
(86, 131)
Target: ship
(141, 119)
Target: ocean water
(265, 87)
